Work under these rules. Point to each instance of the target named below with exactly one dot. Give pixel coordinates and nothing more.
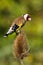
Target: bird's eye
(28, 17)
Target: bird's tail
(5, 35)
(10, 31)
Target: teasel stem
(21, 61)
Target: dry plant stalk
(20, 48)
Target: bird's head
(27, 17)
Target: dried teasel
(20, 47)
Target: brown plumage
(17, 24)
(18, 21)
(20, 48)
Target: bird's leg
(17, 32)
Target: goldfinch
(17, 24)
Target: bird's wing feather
(18, 21)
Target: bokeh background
(11, 9)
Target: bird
(17, 24)
(20, 47)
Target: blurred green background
(11, 9)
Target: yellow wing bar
(20, 26)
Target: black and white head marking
(27, 17)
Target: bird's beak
(29, 19)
